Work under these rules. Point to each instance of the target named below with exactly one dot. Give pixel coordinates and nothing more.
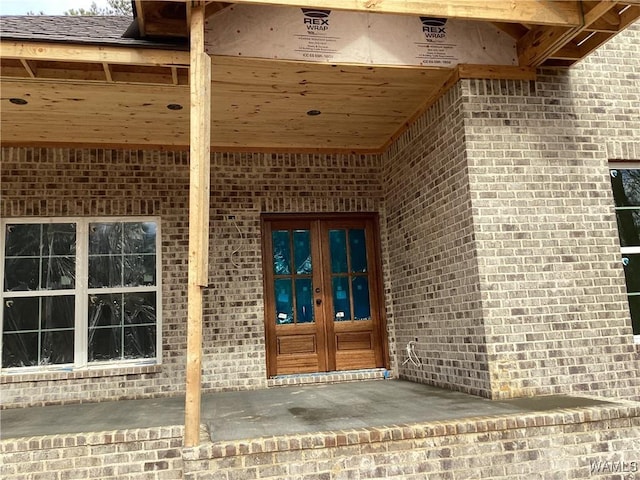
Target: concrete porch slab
(279, 411)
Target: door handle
(318, 301)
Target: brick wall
(553, 292)
(503, 245)
(595, 442)
(67, 182)
(587, 443)
(432, 254)
(140, 454)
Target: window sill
(70, 374)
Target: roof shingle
(94, 30)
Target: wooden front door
(323, 295)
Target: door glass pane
(338, 248)
(341, 306)
(302, 249)
(304, 306)
(284, 301)
(281, 252)
(361, 306)
(358, 248)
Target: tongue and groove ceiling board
(117, 93)
(255, 104)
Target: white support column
(199, 171)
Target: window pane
(105, 238)
(631, 265)
(21, 274)
(304, 304)
(140, 308)
(105, 310)
(19, 349)
(626, 187)
(21, 314)
(341, 307)
(140, 341)
(22, 240)
(629, 227)
(338, 247)
(57, 347)
(284, 301)
(58, 312)
(140, 237)
(139, 270)
(59, 239)
(302, 249)
(105, 344)
(361, 306)
(358, 247)
(58, 273)
(634, 306)
(105, 271)
(281, 252)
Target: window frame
(625, 165)
(82, 291)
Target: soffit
(118, 95)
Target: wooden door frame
(376, 264)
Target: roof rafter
(91, 53)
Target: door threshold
(330, 377)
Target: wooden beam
(199, 156)
(537, 12)
(140, 17)
(107, 72)
(541, 43)
(30, 70)
(92, 53)
(502, 72)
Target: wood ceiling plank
(537, 12)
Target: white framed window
(625, 182)
(80, 292)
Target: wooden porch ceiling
(120, 95)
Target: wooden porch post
(199, 170)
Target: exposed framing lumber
(542, 42)
(536, 12)
(199, 154)
(92, 53)
(107, 72)
(30, 70)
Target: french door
(323, 293)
